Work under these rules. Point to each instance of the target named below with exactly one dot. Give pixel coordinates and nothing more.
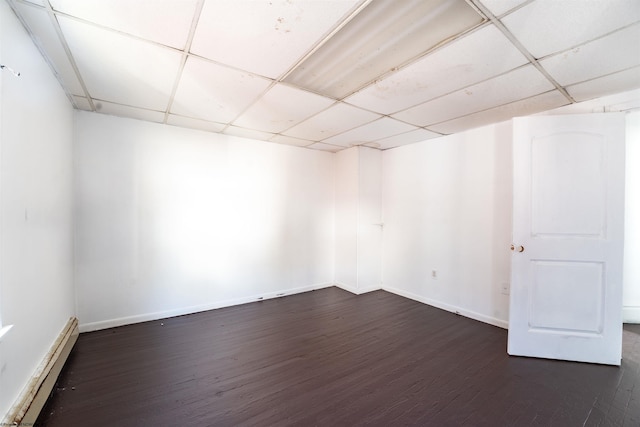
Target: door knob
(512, 247)
(520, 248)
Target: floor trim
(448, 307)
(121, 321)
(35, 395)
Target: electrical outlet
(434, 274)
(505, 288)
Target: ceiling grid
(185, 54)
(331, 74)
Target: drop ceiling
(330, 74)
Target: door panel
(568, 185)
(566, 291)
(553, 302)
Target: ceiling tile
(212, 92)
(248, 133)
(627, 106)
(500, 90)
(165, 22)
(618, 51)
(332, 121)
(264, 37)
(499, 7)
(548, 26)
(281, 108)
(616, 102)
(589, 47)
(369, 132)
(82, 103)
(192, 123)
(404, 139)
(126, 111)
(42, 29)
(371, 145)
(120, 69)
(325, 147)
(474, 58)
(282, 139)
(524, 107)
(608, 85)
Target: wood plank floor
(329, 358)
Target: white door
(568, 227)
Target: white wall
(346, 218)
(358, 215)
(447, 207)
(36, 282)
(171, 220)
(631, 290)
(369, 219)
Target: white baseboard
(33, 397)
(448, 307)
(345, 287)
(355, 289)
(112, 323)
(631, 314)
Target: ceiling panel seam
(334, 104)
(392, 115)
(489, 109)
(512, 10)
(309, 117)
(600, 76)
(45, 57)
(251, 104)
(610, 33)
(522, 49)
(110, 29)
(221, 64)
(350, 129)
(65, 46)
(185, 55)
(100, 100)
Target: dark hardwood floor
(329, 358)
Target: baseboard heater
(37, 391)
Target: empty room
(319, 212)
